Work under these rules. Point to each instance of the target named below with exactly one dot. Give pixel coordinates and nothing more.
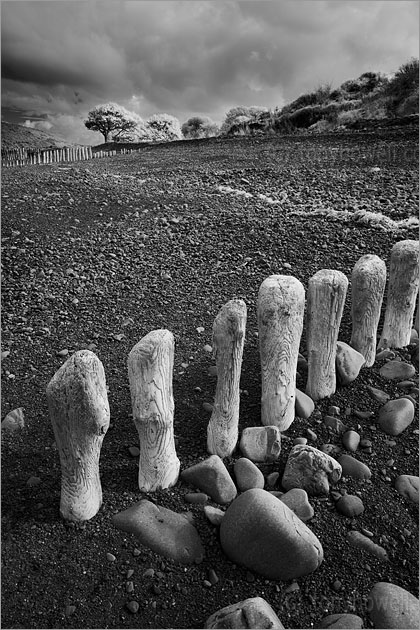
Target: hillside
(17, 137)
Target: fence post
(150, 366)
(326, 296)
(79, 412)
(367, 290)
(228, 344)
(281, 305)
(403, 287)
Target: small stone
(261, 444)
(136, 552)
(304, 405)
(378, 395)
(364, 443)
(333, 410)
(351, 440)
(33, 481)
(366, 532)
(396, 415)
(13, 421)
(330, 449)
(300, 440)
(212, 370)
(149, 573)
(214, 515)
(341, 620)
(350, 505)
(207, 407)
(69, 610)
(408, 487)
(133, 607)
(63, 353)
(129, 587)
(110, 557)
(197, 498)
(335, 424)
(212, 477)
(207, 583)
(250, 613)
(297, 500)
(208, 348)
(337, 585)
(213, 579)
(390, 606)
(348, 362)
(363, 415)
(130, 572)
(405, 385)
(311, 435)
(356, 539)
(310, 469)
(134, 451)
(353, 467)
(247, 475)
(272, 479)
(396, 370)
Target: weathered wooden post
(150, 367)
(79, 412)
(403, 288)
(367, 290)
(326, 296)
(228, 344)
(280, 310)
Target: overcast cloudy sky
(60, 58)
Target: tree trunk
(79, 412)
(150, 367)
(367, 286)
(403, 288)
(326, 296)
(281, 305)
(228, 344)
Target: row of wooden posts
(25, 157)
(77, 395)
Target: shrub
(164, 127)
(199, 127)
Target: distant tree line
(372, 95)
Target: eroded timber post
(367, 290)
(79, 412)
(281, 305)
(326, 296)
(228, 344)
(403, 288)
(150, 368)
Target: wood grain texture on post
(403, 288)
(326, 296)
(280, 310)
(367, 290)
(150, 369)
(79, 412)
(228, 344)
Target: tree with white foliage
(242, 119)
(199, 127)
(112, 119)
(164, 127)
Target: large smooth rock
(396, 416)
(297, 500)
(166, 532)
(408, 487)
(348, 362)
(352, 467)
(345, 621)
(261, 444)
(397, 370)
(263, 534)
(212, 477)
(310, 469)
(247, 475)
(390, 606)
(304, 405)
(254, 612)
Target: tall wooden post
(326, 296)
(367, 289)
(403, 288)
(228, 344)
(79, 412)
(281, 305)
(150, 367)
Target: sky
(61, 58)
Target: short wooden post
(367, 290)
(403, 288)
(228, 344)
(280, 310)
(150, 368)
(326, 296)
(79, 412)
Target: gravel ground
(96, 255)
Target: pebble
(335, 424)
(212, 477)
(297, 500)
(405, 385)
(133, 606)
(348, 363)
(250, 613)
(341, 620)
(366, 532)
(110, 557)
(353, 467)
(300, 440)
(378, 395)
(129, 586)
(207, 407)
(208, 348)
(70, 610)
(350, 505)
(304, 405)
(130, 572)
(214, 515)
(396, 415)
(351, 440)
(333, 410)
(212, 370)
(63, 353)
(385, 354)
(357, 539)
(330, 449)
(390, 606)
(33, 481)
(134, 451)
(310, 469)
(363, 415)
(394, 370)
(272, 479)
(311, 435)
(212, 576)
(136, 552)
(408, 487)
(364, 443)
(261, 444)
(198, 498)
(149, 573)
(14, 420)
(247, 475)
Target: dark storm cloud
(187, 58)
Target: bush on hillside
(163, 127)
(199, 127)
(245, 120)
